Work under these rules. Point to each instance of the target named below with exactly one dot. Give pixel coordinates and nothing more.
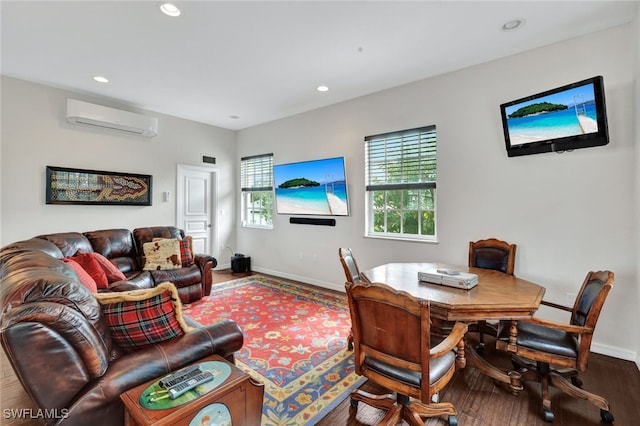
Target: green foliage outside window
(258, 209)
(404, 211)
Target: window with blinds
(401, 177)
(256, 186)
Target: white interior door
(195, 199)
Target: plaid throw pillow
(186, 252)
(140, 318)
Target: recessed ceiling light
(170, 9)
(513, 24)
(234, 117)
(101, 79)
(322, 88)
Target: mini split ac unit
(84, 113)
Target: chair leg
(543, 371)
(565, 380)
(383, 402)
(480, 347)
(393, 416)
(483, 328)
(567, 387)
(417, 410)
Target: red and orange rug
(295, 342)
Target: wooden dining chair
(353, 275)
(392, 348)
(493, 254)
(496, 255)
(350, 266)
(560, 351)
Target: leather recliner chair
(59, 345)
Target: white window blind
(401, 160)
(256, 173)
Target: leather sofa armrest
(141, 280)
(131, 370)
(205, 263)
(120, 286)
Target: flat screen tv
(562, 119)
(317, 187)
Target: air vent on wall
(84, 113)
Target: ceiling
(238, 64)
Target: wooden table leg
(512, 378)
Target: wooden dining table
(497, 296)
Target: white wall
(637, 165)
(569, 213)
(35, 134)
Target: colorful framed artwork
(78, 186)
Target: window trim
(377, 151)
(246, 187)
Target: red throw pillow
(186, 251)
(110, 270)
(85, 278)
(91, 265)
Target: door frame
(213, 171)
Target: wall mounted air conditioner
(84, 113)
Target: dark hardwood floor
(478, 400)
(482, 403)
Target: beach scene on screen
(313, 187)
(568, 113)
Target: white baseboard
(615, 352)
(323, 284)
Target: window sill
(407, 239)
(269, 228)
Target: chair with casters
(391, 332)
(553, 353)
(496, 255)
(350, 266)
(353, 275)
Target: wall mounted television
(317, 187)
(561, 119)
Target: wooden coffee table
(238, 398)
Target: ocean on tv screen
(552, 125)
(330, 199)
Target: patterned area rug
(295, 342)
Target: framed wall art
(78, 186)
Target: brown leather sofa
(125, 249)
(57, 340)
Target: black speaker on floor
(240, 263)
(312, 221)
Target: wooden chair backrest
(587, 307)
(390, 326)
(493, 254)
(350, 266)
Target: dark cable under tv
(312, 221)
